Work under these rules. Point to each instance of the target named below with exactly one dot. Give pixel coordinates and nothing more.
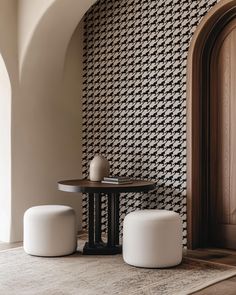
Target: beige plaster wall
(5, 152)
(43, 56)
(8, 90)
(29, 12)
(47, 142)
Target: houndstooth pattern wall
(134, 97)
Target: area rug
(22, 274)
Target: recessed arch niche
(211, 201)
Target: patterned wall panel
(134, 97)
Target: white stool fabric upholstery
(50, 230)
(152, 238)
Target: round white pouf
(152, 238)
(50, 230)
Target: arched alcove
(210, 138)
(5, 152)
(42, 113)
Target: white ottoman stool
(152, 238)
(50, 230)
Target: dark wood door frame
(198, 89)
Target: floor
(5, 246)
(226, 287)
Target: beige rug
(22, 274)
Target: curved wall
(30, 14)
(43, 61)
(8, 92)
(5, 152)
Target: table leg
(91, 220)
(98, 217)
(117, 219)
(111, 221)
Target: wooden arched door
(211, 130)
(222, 191)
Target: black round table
(95, 245)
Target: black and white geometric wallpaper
(134, 97)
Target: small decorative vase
(99, 168)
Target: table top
(87, 186)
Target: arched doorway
(211, 201)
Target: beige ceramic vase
(99, 168)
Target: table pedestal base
(95, 245)
(101, 249)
